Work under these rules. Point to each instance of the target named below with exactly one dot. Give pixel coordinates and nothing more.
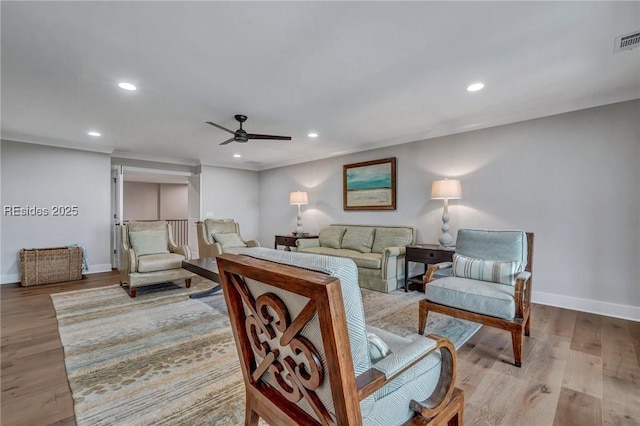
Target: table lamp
(299, 198)
(446, 189)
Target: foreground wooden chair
(309, 359)
(490, 283)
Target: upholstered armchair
(490, 283)
(308, 358)
(150, 256)
(216, 235)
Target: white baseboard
(587, 305)
(93, 269)
(10, 278)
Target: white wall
(141, 200)
(572, 179)
(155, 201)
(173, 201)
(232, 194)
(42, 176)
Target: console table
(290, 240)
(427, 254)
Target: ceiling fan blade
(228, 141)
(220, 127)
(279, 138)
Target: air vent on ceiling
(627, 41)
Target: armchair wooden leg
(452, 415)
(132, 291)
(423, 313)
(251, 418)
(527, 326)
(187, 282)
(516, 337)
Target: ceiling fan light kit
(242, 136)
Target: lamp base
(445, 240)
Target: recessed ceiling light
(313, 135)
(475, 87)
(237, 155)
(126, 86)
(93, 133)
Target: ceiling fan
(242, 136)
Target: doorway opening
(148, 195)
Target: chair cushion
(159, 262)
(481, 297)
(331, 236)
(359, 239)
(149, 242)
(391, 237)
(228, 239)
(502, 245)
(219, 226)
(485, 270)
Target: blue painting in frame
(370, 185)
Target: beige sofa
(378, 251)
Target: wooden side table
(428, 254)
(290, 240)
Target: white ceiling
(361, 74)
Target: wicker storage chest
(50, 265)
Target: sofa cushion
(485, 270)
(358, 238)
(476, 296)
(149, 242)
(362, 260)
(391, 237)
(331, 236)
(228, 239)
(159, 262)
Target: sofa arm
(393, 251)
(129, 261)
(389, 255)
(252, 243)
(307, 242)
(183, 250)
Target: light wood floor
(578, 368)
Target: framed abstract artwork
(370, 185)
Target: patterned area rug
(162, 358)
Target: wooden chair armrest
(522, 293)
(441, 395)
(372, 379)
(428, 276)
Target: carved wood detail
(293, 379)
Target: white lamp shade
(298, 197)
(446, 188)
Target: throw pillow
(331, 236)
(229, 239)
(149, 242)
(485, 270)
(378, 349)
(391, 237)
(359, 239)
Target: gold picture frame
(369, 185)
